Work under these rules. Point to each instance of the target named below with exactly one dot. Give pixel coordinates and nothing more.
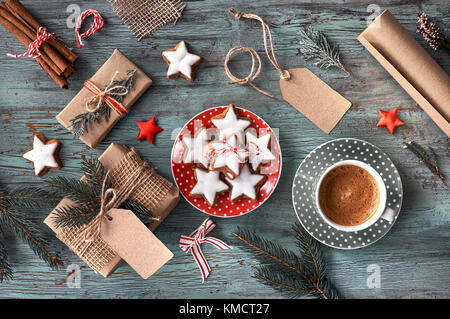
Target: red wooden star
(148, 129)
(389, 119)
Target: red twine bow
(33, 48)
(192, 243)
(97, 25)
(236, 150)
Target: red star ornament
(389, 119)
(148, 129)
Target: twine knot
(106, 96)
(33, 51)
(237, 14)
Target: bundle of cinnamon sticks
(56, 59)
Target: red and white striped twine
(97, 25)
(33, 48)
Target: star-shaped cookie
(43, 154)
(148, 129)
(229, 123)
(245, 185)
(258, 148)
(227, 157)
(181, 62)
(196, 148)
(389, 119)
(209, 185)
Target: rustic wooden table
(413, 258)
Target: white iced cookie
(196, 148)
(246, 185)
(227, 156)
(181, 62)
(43, 154)
(259, 152)
(208, 186)
(229, 123)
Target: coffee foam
(349, 195)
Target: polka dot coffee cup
(382, 211)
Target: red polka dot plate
(183, 174)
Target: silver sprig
(315, 46)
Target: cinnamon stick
(29, 38)
(16, 8)
(60, 80)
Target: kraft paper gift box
(157, 194)
(97, 131)
(411, 66)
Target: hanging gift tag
(314, 98)
(134, 242)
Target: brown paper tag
(134, 242)
(314, 98)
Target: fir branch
(285, 271)
(80, 123)
(315, 46)
(428, 158)
(30, 198)
(86, 196)
(6, 271)
(29, 233)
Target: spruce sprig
(292, 274)
(80, 123)
(86, 195)
(315, 46)
(428, 158)
(15, 208)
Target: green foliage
(15, 208)
(315, 46)
(295, 275)
(86, 196)
(80, 123)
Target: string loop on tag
(284, 74)
(252, 75)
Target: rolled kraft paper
(97, 131)
(413, 68)
(112, 159)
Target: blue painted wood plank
(409, 257)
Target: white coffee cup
(383, 211)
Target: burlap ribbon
(131, 178)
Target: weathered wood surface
(413, 257)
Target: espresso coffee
(349, 195)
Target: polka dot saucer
(310, 170)
(183, 174)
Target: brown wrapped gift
(97, 131)
(157, 194)
(411, 66)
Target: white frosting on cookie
(208, 185)
(181, 61)
(42, 155)
(196, 148)
(228, 155)
(244, 184)
(231, 124)
(258, 148)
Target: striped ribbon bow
(97, 25)
(192, 243)
(33, 48)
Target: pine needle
(6, 271)
(294, 275)
(428, 158)
(315, 46)
(20, 224)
